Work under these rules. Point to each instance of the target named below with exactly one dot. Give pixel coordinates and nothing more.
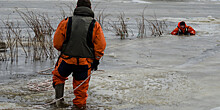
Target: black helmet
(85, 3)
(182, 23)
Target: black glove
(187, 32)
(95, 65)
(179, 32)
(186, 29)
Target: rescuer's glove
(95, 64)
(179, 32)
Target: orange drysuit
(187, 30)
(60, 73)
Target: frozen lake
(162, 73)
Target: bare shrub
(141, 25)
(63, 11)
(11, 45)
(156, 27)
(120, 27)
(38, 44)
(42, 41)
(1, 34)
(71, 7)
(100, 17)
(13, 40)
(3, 47)
(16, 31)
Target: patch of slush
(5, 105)
(108, 90)
(128, 88)
(21, 93)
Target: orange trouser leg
(57, 78)
(81, 93)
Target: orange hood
(180, 26)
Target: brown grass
(38, 44)
(64, 13)
(13, 40)
(120, 27)
(101, 16)
(1, 35)
(41, 27)
(141, 25)
(156, 27)
(3, 56)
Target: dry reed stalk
(14, 39)
(120, 27)
(141, 25)
(42, 41)
(156, 27)
(3, 56)
(63, 11)
(1, 35)
(100, 17)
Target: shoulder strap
(68, 31)
(90, 33)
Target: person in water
(183, 29)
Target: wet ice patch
(140, 1)
(208, 19)
(36, 85)
(4, 105)
(217, 108)
(135, 87)
(206, 53)
(25, 94)
(111, 55)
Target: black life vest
(180, 32)
(79, 34)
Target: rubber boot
(79, 107)
(59, 90)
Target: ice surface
(217, 108)
(162, 73)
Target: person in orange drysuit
(183, 29)
(81, 41)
